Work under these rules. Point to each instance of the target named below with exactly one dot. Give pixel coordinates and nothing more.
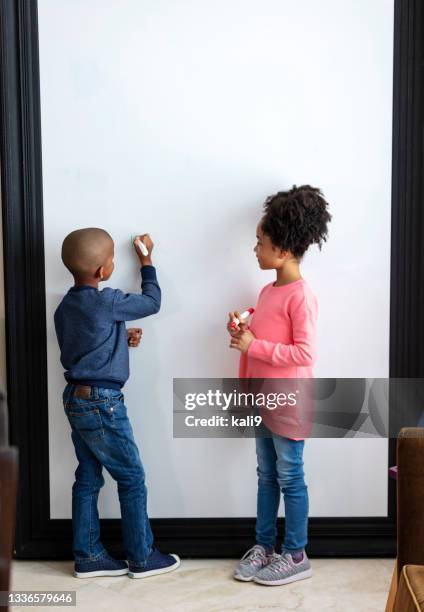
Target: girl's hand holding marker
(241, 336)
(239, 317)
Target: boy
(93, 340)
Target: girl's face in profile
(269, 257)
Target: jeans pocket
(116, 415)
(116, 400)
(71, 402)
(86, 420)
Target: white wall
(179, 118)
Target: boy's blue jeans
(103, 436)
(280, 468)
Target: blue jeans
(280, 467)
(103, 436)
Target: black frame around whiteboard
(39, 536)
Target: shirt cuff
(254, 349)
(148, 272)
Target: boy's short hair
(295, 219)
(85, 250)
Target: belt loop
(94, 393)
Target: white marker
(243, 315)
(143, 248)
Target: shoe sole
(94, 574)
(243, 578)
(300, 576)
(156, 572)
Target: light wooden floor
(338, 585)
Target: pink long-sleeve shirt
(285, 326)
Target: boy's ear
(99, 272)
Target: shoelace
(281, 563)
(252, 555)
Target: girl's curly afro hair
(296, 219)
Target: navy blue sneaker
(104, 566)
(157, 563)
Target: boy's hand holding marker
(237, 326)
(143, 245)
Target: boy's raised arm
(132, 306)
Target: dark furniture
(407, 587)
(8, 491)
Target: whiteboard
(179, 118)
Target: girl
(281, 343)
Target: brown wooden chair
(8, 492)
(407, 586)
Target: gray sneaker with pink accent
(284, 569)
(252, 561)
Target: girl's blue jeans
(280, 468)
(103, 437)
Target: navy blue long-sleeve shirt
(91, 331)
